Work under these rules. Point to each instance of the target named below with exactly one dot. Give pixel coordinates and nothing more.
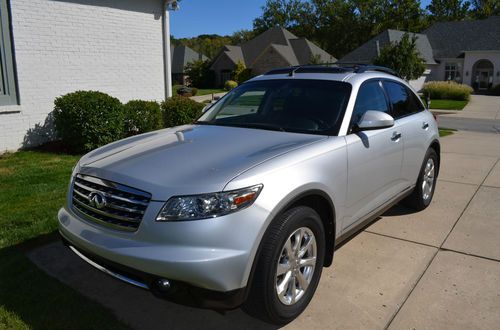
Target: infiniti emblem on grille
(97, 200)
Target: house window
(451, 72)
(7, 78)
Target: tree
(242, 36)
(448, 10)
(403, 57)
(199, 74)
(293, 15)
(241, 73)
(484, 8)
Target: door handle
(396, 136)
(425, 125)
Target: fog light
(163, 285)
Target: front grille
(109, 203)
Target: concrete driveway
(436, 269)
(482, 114)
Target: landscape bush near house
(85, 120)
(180, 110)
(241, 73)
(495, 90)
(230, 84)
(187, 91)
(199, 74)
(142, 116)
(447, 90)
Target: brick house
(463, 51)
(52, 47)
(275, 48)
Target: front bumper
(212, 254)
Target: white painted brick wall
(114, 46)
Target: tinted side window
(370, 97)
(415, 103)
(403, 100)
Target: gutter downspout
(167, 58)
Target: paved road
(469, 124)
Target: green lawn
(32, 188)
(210, 91)
(447, 104)
(446, 131)
(200, 91)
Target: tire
(263, 301)
(421, 197)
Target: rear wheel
(289, 267)
(421, 196)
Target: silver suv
(248, 204)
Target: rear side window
(404, 102)
(370, 97)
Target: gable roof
(296, 51)
(451, 39)
(441, 40)
(182, 55)
(367, 52)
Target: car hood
(189, 159)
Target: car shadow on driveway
(134, 306)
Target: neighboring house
(181, 56)
(277, 47)
(464, 51)
(53, 47)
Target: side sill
(370, 217)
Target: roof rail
(309, 69)
(365, 68)
(332, 68)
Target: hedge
(142, 116)
(442, 90)
(230, 84)
(86, 120)
(495, 90)
(180, 111)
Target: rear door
(374, 158)
(413, 123)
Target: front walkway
(480, 107)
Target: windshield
(302, 106)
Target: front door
(484, 79)
(374, 158)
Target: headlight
(208, 205)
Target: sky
(221, 17)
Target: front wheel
(421, 196)
(289, 267)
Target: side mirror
(375, 120)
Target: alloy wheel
(296, 266)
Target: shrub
(230, 84)
(85, 120)
(241, 73)
(180, 111)
(495, 90)
(447, 90)
(185, 91)
(142, 116)
(199, 74)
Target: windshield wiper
(243, 125)
(260, 125)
